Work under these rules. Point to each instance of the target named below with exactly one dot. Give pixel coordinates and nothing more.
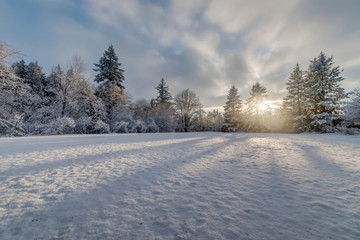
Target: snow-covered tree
(254, 111)
(14, 96)
(142, 111)
(165, 118)
(324, 94)
(164, 94)
(110, 77)
(69, 104)
(20, 69)
(213, 121)
(258, 94)
(352, 109)
(232, 109)
(188, 107)
(163, 108)
(83, 106)
(35, 78)
(294, 102)
(109, 69)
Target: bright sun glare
(267, 105)
(263, 106)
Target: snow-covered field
(180, 186)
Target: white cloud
(110, 11)
(205, 45)
(210, 45)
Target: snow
(180, 186)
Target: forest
(66, 102)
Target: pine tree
(35, 78)
(164, 94)
(163, 109)
(294, 102)
(232, 109)
(258, 94)
(110, 77)
(20, 69)
(109, 69)
(324, 94)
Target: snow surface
(180, 186)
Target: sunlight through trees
(65, 102)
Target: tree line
(315, 102)
(65, 102)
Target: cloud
(112, 11)
(204, 45)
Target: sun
(263, 106)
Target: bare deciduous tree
(187, 106)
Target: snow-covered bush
(88, 125)
(349, 131)
(63, 125)
(12, 127)
(152, 127)
(99, 127)
(82, 125)
(165, 123)
(120, 127)
(137, 126)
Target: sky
(204, 45)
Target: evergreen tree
(109, 69)
(20, 69)
(232, 109)
(163, 109)
(323, 94)
(111, 88)
(164, 94)
(35, 78)
(258, 94)
(31, 74)
(294, 102)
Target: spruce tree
(324, 94)
(164, 94)
(232, 109)
(20, 69)
(36, 78)
(163, 108)
(258, 94)
(31, 74)
(109, 69)
(110, 77)
(294, 102)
